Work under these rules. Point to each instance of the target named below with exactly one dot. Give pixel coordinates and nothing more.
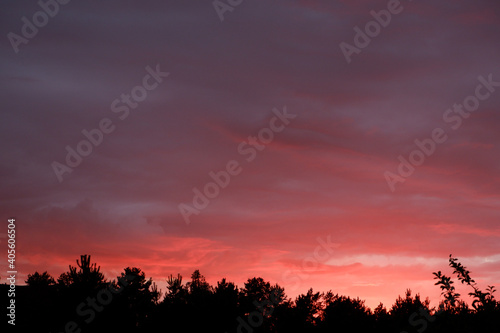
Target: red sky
(321, 176)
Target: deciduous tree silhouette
(261, 299)
(309, 307)
(343, 313)
(482, 301)
(304, 314)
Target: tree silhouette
(259, 300)
(308, 307)
(38, 280)
(382, 318)
(455, 314)
(176, 291)
(226, 303)
(482, 301)
(345, 313)
(139, 291)
(136, 298)
(86, 276)
(133, 304)
(304, 314)
(199, 289)
(42, 301)
(407, 305)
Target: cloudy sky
(343, 169)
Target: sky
(355, 143)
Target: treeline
(83, 300)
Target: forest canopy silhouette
(84, 300)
